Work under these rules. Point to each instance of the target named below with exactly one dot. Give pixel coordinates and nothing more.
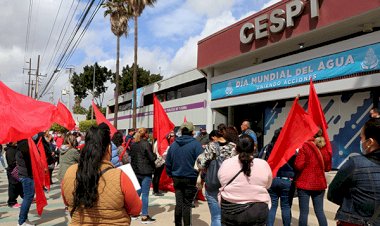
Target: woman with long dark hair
(95, 191)
(244, 179)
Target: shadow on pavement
(50, 215)
(197, 221)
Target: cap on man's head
(202, 129)
(188, 125)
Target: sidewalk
(161, 208)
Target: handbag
(14, 173)
(255, 212)
(211, 179)
(159, 161)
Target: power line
(67, 54)
(59, 42)
(28, 28)
(52, 28)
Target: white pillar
(209, 119)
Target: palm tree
(137, 7)
(119, 16)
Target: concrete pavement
(161, 208)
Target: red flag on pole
(36, 169)
(64, 117)
(316, 113)
(298, 127)
(161, 127)
(100, 118)
(21, 116)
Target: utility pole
(29, 72)
(30, 93)
(32, 87)
(37, 74)
(68, 89)
(93, 94)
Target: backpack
(211, 179)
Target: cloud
(271, 2)
(209, 8)
(179, 23)
(186, 57)
(168, 37)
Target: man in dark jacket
(14, 186)
(180, 166)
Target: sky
(168, 35)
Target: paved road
(161, 208)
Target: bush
(85, 125)
(58, 128)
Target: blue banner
(341, 64)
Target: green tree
(137, 7)
(119, 16)
(88, 116)
(77, 109)
(144, 78)
(58, 128)
(85, 125)
(82, 83)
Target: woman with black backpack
(210, 160)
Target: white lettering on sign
(278, 19)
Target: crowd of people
(231, 168)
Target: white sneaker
(26, 223)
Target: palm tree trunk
(117, 82)
(135, 75)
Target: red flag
(298, 127)
(36, 169)
(184, 119)
(316, 113)
(161, 127)
(100, 118)
(22, 117)
(64, 117)
(44, 168)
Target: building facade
(257, 66)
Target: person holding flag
(24, 166)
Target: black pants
(156, 178)
(14, 190)
(185, 191)
(254, 215)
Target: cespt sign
(278, 18)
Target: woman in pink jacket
(244, 196)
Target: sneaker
(15, 206)
(158, 194)
(26, 223)
(135, 217)
(147, 220)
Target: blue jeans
(280, 189)
(28, 188)
(145, 182)
(317, 198)
(213, 205)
